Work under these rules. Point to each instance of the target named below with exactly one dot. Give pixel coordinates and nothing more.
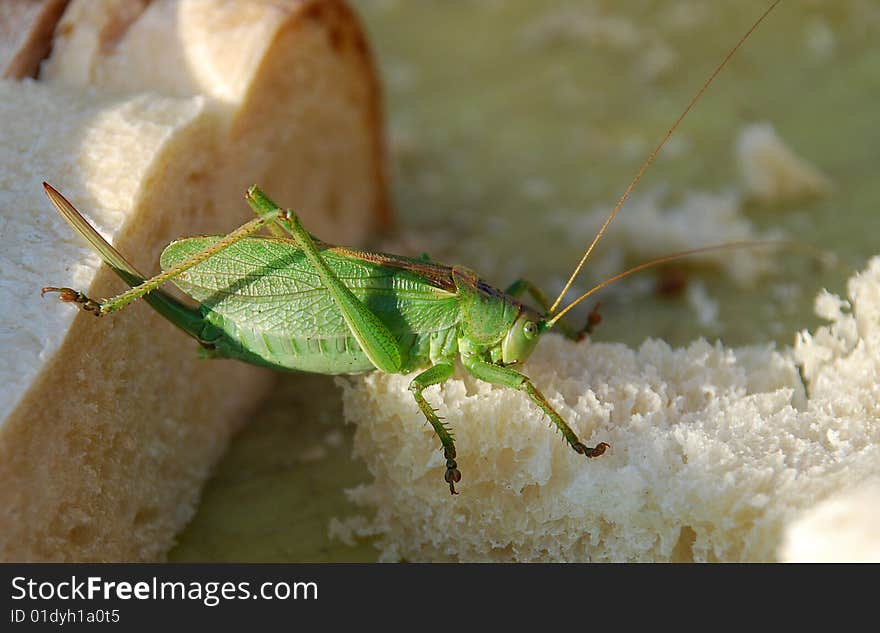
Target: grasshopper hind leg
(433, 376)
(69, 295)
(139, 287)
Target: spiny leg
(276, 228)
(69, 295)
(179, 314)
(503, 376)
(283, 226)
(521, 286)
(120, 301)
(433, 376)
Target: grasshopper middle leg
(433, 376)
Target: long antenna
(656, 151)
(819, 254)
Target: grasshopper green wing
(264, 293)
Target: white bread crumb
(771, 171)
(716, 451)
(705, 307)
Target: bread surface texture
(716, 451)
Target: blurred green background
(509, 121)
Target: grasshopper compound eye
(520, 340)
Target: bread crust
(26, 28)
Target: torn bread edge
(717, 453)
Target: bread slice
(715, 453)
(108, 428)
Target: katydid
(292, 302)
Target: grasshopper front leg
(505, 377)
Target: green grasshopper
(292, 302)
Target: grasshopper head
(522, 337)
